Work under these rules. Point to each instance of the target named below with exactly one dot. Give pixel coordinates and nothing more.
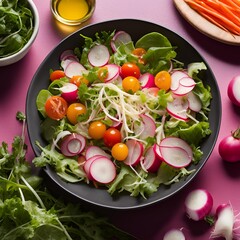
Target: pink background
(222, 180)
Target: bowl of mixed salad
(123, 114)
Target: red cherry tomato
(56, 107)
(130, 69)
(112, 136)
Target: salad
(124, 115)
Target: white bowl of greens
(19, 29)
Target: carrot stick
(200, 7)
(230, 3)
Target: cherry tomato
(57, 74)
(97, 129)
(120, 151)
(56, 107)
(78, 80)
(139, 52)
(163, 80)
(130, 69)
(102, 73)
(112, 136)
(131, 84)
(74, 110)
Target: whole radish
(198, 204)
(226, 223)
(229, 147)
(234, 90)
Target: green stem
(236, 133)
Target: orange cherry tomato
(120, 151)
(163, 80)
(112, 136)
(97, 129)
(130, 69)
(56, 107)
(57, 74)
(74, 110)
(139, 52)
(131, 84)
(78, 80)
(102, 73)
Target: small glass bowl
(54, 9)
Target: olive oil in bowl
(72, 12)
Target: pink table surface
(220, 179)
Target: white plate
(204, 26)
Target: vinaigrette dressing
(72, 9)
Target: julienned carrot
(221, 17)
(231, 3)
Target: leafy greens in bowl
(18, 30)
(183, 54)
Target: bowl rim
(35, 13)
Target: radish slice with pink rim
(87, 164)
(151, 161)
(98, 55)
(65, 54)
(95, 150)
(72, 145)
(147, 80)
(178, 108)
(120, 37)
(135, 151)
(187, 82)
(146, 128)
(69, 92)
(176, 76)
(177, 142)
(156, 148)
(194, 102)
(198, 204)
(102, 170)
(175, 156)
(113, 72)
(74, 69)
(183, 90)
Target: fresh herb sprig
(29, 211)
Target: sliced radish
(153, 91)
(183, 90)
(64, 63)
(74, 69)
(98, 56)
(69, 92)
(135, 151)
(102, 170)
(151, 161)
(72, 144)
(65, 54)
(113, 72)
(175, 156)
(88, 163)
(177, 142)
(176, 76)
(187, 82)
(174, 234)
(156, 148)
(233, 90)
(194, 102)
(146, 80)
(120, 37)
(147, 127)
(198, 204)
(95, 150)
(178, 108)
